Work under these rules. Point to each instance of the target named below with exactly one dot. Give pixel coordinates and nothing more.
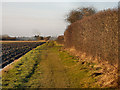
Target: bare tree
(79, 13)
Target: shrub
(47, 38)
(60, 39)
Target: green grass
(45, 65)
(78, 73)
(22, 70)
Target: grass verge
(22, 70)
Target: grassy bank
(20, 71)
(47, 66)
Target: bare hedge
(96, 35)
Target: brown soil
(6, 68)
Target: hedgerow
(96, 35)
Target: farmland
(48, 67)
(85, 56)
(14, 50)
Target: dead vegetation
(108, 73)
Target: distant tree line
(36, 37)
(6, 37)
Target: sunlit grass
(27, 72)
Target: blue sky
(46, 18)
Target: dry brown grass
(109, 72)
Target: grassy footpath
(49, 67)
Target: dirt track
(54, 71)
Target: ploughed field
(9, 51)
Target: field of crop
(14, 50)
